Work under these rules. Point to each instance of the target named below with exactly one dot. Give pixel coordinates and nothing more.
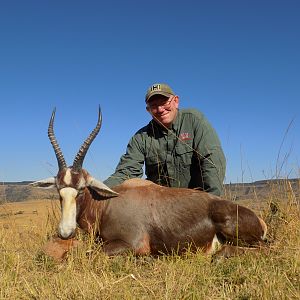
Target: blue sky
(236, 61)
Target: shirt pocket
(184, 153)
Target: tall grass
(26, 273)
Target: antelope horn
(58, 153)
(79, 158)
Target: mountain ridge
(261, 189)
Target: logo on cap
(155, 87)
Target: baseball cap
(158, 89)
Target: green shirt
(187, 155)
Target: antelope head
(72, 181)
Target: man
(178, 147)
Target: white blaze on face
(67, 223)
(68, 177)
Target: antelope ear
(44, 183)
(101, 188)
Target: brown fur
(147, 218)
(58, 248)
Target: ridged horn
(79, 158)
(58, 153)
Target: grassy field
(27, 273)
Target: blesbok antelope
(143, 217)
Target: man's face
(163, 109)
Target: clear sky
(236, 61)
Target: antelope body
(143, 217)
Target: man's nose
(160, 108)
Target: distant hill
(262, 189)
(20, 191)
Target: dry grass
(26, 273)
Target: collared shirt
(188, 154)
